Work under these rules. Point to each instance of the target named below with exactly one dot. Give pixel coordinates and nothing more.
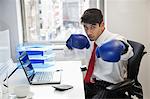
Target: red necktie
(91, 65)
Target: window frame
(61, 42)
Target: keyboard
(49, 77)
(43, 76)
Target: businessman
(109, 54)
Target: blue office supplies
(41, 56)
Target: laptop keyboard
(47, 77)
(43, 76)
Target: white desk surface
(71, 75)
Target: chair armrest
(124, 85)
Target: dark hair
(92, 16)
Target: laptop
(37, 78)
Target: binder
(35, 49)
(42, 59)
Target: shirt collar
(106, 34)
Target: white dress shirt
(109, 71)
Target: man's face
(93, 31)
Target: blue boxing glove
(111, 51)
(77, 41)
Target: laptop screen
(27, 66)
(28, 69)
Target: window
(53, 20)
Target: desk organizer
(41, 56)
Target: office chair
(131, 85)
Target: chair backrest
(135, 60)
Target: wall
(4, 45)
(130, 18)
(9, 12)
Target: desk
(71, 74)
